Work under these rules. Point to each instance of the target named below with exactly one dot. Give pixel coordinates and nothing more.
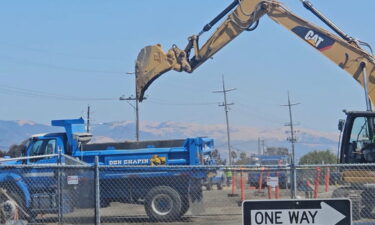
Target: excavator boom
(343, 50)
(152, 61)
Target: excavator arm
(244, 15)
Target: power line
(9, 90)
(58, 67)
(165, 102)
(260, 114)
(64, 54)
(292, 140)
(226, 109)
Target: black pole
(208, 26)
(309, 6)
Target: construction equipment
(343, 50)
(358, 138)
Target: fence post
(293, 179)
(97, 192)
(59, 187)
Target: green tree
(318, 157)
(234, 155)
(243, 159)
(276, 151)
(216, 156)
(16, 150)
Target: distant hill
(244, 138)
(14, 132)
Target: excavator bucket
(151, 63)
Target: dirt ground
(217, 208)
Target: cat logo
(317, 39)
(157, 160)
(313, 38)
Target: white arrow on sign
(324, 216)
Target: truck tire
(342, 192)
(366, 211)
(15, 196)
(163, 203)
(209, 186)
(356, 209)
(219, 186)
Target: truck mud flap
(196, 197)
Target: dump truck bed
(131, 145)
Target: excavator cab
(358, 140)
(357, 147)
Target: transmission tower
(226, 110)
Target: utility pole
(88, 119)
(292, 140)
(226, 109)
(136, 107)
(259, 151)
(131, 98)
(263, 147)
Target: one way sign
(297, 212)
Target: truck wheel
(366, 211)
(163, 203)
(356, 211)
(356, 205)
(219, 186)
(342, 192)
(18, 199)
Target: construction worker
(228, 176)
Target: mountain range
(243, 138)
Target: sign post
(297, 212)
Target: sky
(58, 57)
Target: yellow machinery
(342, 49)
(358, 138)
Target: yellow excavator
(358, 133)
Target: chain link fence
(85, 194)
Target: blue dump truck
(269, 166)
(152, 173)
